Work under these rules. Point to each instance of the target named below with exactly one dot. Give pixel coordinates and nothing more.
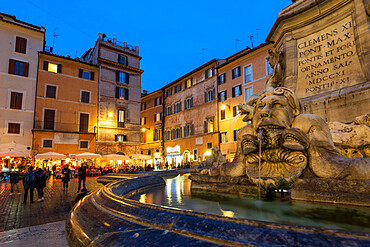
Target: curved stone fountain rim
(199, 226)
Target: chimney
(145, 92)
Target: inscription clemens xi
(327, 60)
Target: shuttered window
(21, 45)
(85, 97)
(84, 122)
(18, 68)
(14, 128)
(51, 92)
(16, 100)
(49, 119)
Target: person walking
(82, 178)
(40, 183)
(65, 177)
(13, 179)
(54, 168)
(29, 180)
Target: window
(169, 110)
(143, 106)
(149, 152)
(169, 92)
(51, 92)
(85, 97)
(157, 134)
(236, 132)
(222, 113)
(221, 79)
(209, 73)
(16, 100)
(236, 111)
(188, 130)
(122, 59)
(143, 120)
(88, 75)
(209, 95)
(120, 118)
(177, 107)
(236, 72)
(208, 126)
(21, 45)
(269, 70)
(176, 133)
(52, 67)
(121, 93)
(223, 137)
(237, 91)
(222, 95)
(84, 122)
(122, 77)
(157, 117)
(143, 137)
(188, 103)
(248, 92)
(49, 119)
(168, 135)
(157, 101)
(195, 153)
(177, 88)
(248, 73)
(209, 145)
(18, 68)
(14, 128)
(47, 143)
(84, 144)
(120, 138)
(189, 83)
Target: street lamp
(110, 114)
(223, 106)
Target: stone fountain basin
(108, 218)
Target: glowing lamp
(110, 114)
(208, 153)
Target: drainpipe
(163, 122)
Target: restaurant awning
(115, 157)
(141, 156)
(12, 154)
(50, 155)
(87, 155)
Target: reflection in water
(177, 194)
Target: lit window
(157, 117)
(53, 67)
(122, 93)
(209, 73)
(120, 138)
(208, 126)
(189, 83)
(121, 118)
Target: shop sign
(65, 138)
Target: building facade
(119, 95)
(190, 109)
(242, 75)
(151, 136)
(66, 106)
(20, 43)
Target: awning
(12, 154)
(115, 157)
(87, 155)
(141, 157)
(50, 155)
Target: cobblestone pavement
(57, 204)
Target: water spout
(259, 163)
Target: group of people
(37, 180)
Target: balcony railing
(61, 126)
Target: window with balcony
(248, 73)
(85, 97)
(18, 68)
(14, 128)
(209, 95)
(177, 107)
(209, 126)
(209, 73)
(122, 59)
(88, 75)
(49, 119)
(236, 72)
(121, 118)
(51, 92)
(122, 77)
(21, 45)
(84, 122)
(188, 103)
(221, 79)
(237, 91)
(222, 96)
(122, 93)
(52, 67)
(189, 82)
(16, 100)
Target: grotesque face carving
(273, 112)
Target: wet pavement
(55, 208)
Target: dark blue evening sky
(171, 34)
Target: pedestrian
(29, 180)
(82, 178)
(54, 168)
(13, 179)
(40, 183)
(65, 177)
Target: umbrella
(87, 156)
(141, 156)
(115, 157)
(50, 155)
(12, 154)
